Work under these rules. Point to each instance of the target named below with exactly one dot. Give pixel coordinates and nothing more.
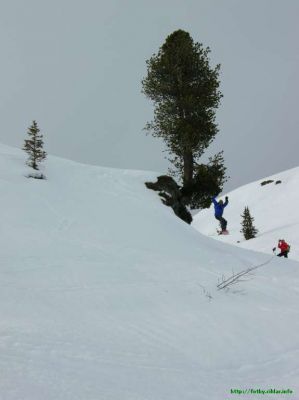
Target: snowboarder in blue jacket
(219, 208)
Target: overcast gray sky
(76, 67)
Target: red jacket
(283, 246)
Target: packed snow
(105, 294)
(274, 207)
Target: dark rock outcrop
(171, 196)
(266, 182)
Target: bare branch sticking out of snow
(236, 278)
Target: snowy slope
(106, 295)
(275, 208)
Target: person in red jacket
(284, 248)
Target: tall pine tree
(185, 91)
(34, 146)
(248, 229)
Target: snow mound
(105, 294)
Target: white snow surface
(274, 207)
(105, 294)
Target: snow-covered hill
(106, 295)
(274, 207)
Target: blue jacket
(219, 207)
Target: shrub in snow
(36, 175)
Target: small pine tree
(248, 229)
(34, 146)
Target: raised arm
(214, 201)
(226, 202)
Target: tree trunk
(188, 167)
